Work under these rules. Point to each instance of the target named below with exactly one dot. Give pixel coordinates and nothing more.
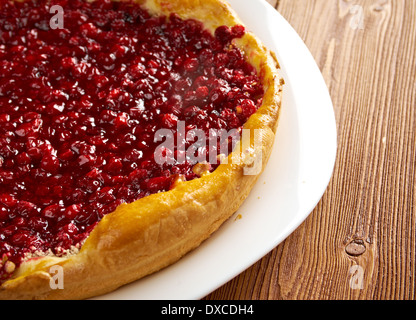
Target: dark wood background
(359, 242)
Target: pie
(129, 132)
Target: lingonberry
(80, 106)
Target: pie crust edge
(149, 234)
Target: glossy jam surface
(80, 106)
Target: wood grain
(364, 227)
(274, 3)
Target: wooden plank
(274, 3)
(359, 242)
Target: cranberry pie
(113, 161)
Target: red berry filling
(80, 107)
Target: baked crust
(149, 234)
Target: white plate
(294, 181)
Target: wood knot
(355, 248)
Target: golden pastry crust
(143, 237)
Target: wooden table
(359, 242)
